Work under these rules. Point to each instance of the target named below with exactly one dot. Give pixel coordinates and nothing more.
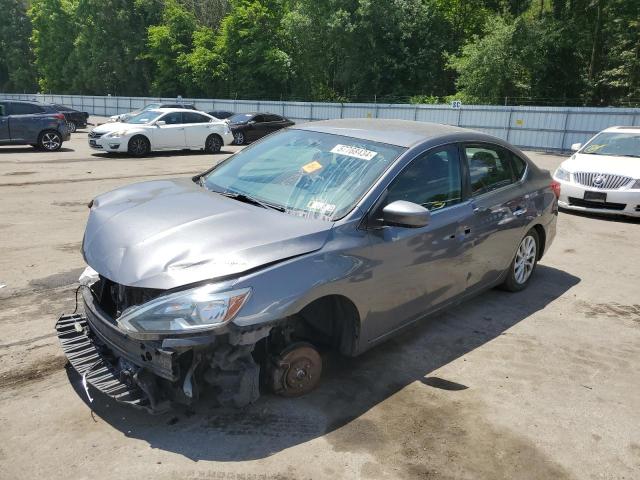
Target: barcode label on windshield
(361, 153)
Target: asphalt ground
(542, 384)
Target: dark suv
(31, 123)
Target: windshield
(614, 143)
(144, 117)
(308, 174)
(240, 117)
(151, 106)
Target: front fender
(284, 289)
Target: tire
(50, 141)
(213, 144)
(139, 146)
(72, 127)
(238, 138)
(524, 263)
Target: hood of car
(168, 233)
(115, 127)
(626, 166)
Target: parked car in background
(247, 127)
(75, 118)
(31, 123)
(123, 117)
(603, 176)
(332, 234)
(221, 114)
(162, 129)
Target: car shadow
(163, 154)
(350, 386)
(30, 149)
(602, 216)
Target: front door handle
(519, 212)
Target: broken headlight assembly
(189, 311)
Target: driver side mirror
(160, 123)
(405, 214)
(576, 146)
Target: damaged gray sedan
(331, 235)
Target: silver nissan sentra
(327, 235)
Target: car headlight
(562, 174)
(116, 134)
(637, 184)
(193, 310)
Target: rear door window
(189, 117)
(489, 168)
(25, 108)
(519, 166)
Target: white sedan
(162, 129)
(603, 176)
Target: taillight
(59, 116)
(555, 186)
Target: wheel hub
(298, 370)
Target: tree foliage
(550, 51)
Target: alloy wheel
(51, 141)
(525, 259)
(138, 146)
(213, 144)
(239, 138)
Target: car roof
(187, 110)
(403, 133)
(625, 129)
(33, 102)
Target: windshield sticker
(594, 147)
(311, 167)
(317, 205)
(355, 152)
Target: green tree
(252, 44)
(110, 45)
(52, 40)
(167, 43)
(16, 69)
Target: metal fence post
(415, 113)
(341, 110)
(459, 117)
(564, 129)
(509, 124)
(311, 111)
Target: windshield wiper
(243, 197)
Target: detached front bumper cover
(121, 381)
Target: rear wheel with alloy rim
(238, 138)
(138, 146)
(50, 141)
(213, 144)
(524, 263)
(72, 127)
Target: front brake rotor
(297, 370)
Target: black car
(252, 126)
(75, 118)
(221, 114)
(30, 123)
